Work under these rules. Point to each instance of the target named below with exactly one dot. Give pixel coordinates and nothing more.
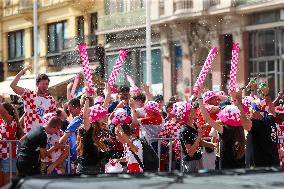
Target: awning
(56, 78)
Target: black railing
(15, 64)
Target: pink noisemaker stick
(75, 84)
(205, 70)
(234, 67)
(116, 68)
(86, 68)
(133, 89)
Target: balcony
(121, 21)
(26, 6)
(190, 6)
(249, 2)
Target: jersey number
(39, 111)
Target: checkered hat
(261, 104)
(279, 109)
(99, 100)
(182, 111)
(121, 116)
(134, 90)
(208, 95)
(230, 115)
(152, 106)
(247, 101)
(96, 112)
(175, 106)
(47, 117)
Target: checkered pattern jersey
(171, 129)
(51, 140)
(7, 132)
(35, 107)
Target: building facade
(188, 29)
(62, 24)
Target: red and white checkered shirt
(35, 107)
(51, 140)
(172, 129)
(7, 132)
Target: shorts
(5, 166)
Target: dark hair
(158, 98)
(123, 89)
(126, 129)
(75, 102)
(173, 99)
(139, 96)
(12, 111)
(169, 104)
(54, 122)
(42, 77)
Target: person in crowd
(119, 116)
(33, 148)
(63, 116)
(91, 149)
(70, 134)
(232, 121)
(9, 130)
(54, 163)
(132, 146)
(123, 97)
(264, 130)
(151, 125)
(37, 103)
(139, 99)
(190, 138)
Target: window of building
(214, 2)
(228, 46)
(94, 27)
(266, 58)
(161, 7)
(57, 37)
(80, 29)
(16, 44)
(136, 4)
(7, 2)
(266, 17)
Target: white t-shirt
(35, 108)
(51, 140)
(129, 155)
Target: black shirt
(91, 154)
(188, 135)
(35, 139)
(116, 147)
(228, 145)
(265, 139)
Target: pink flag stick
(234, 67)
(205, 69)
(116, 68)
(86, 66)
(75, 84)
(133, 89)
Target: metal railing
(159, 140)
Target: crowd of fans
(102, 134)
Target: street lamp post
(35, 39)
(148, 42)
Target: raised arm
(265, 93)
(14, 85)
(207, 117)
(134, 122)
(148, 94)
(68, 90)
(237, 99)
(107, 92)
(86, 113)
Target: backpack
(150, 158)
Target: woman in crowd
(91, 149)
(9, 130)
(230, 126)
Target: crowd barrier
(159, 140)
